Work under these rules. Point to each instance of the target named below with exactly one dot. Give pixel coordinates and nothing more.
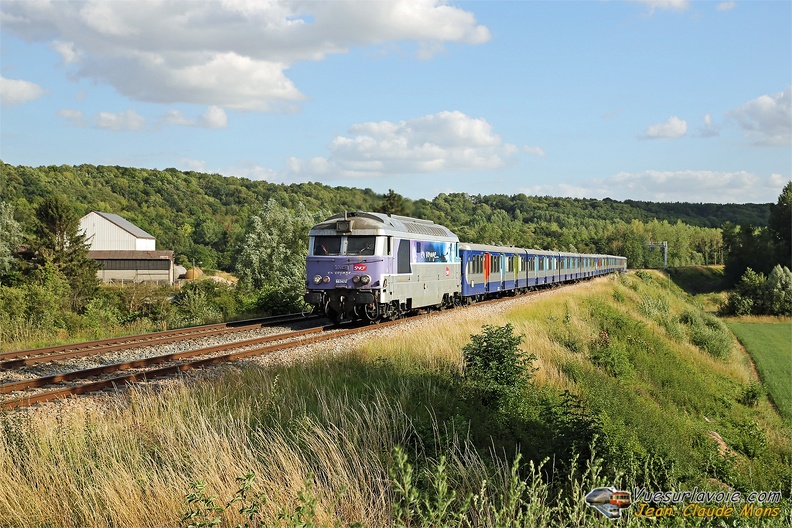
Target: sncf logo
(359, 267)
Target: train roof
(381, 224)
(512, 249)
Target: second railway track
(20, 358)
(32, 390)
(99, 378)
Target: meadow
(625, 383)
(769, 342)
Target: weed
(202, 512)
(751, 394)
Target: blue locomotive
(377, 266)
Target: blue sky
(659, 100)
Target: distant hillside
(706, 214)
(204, 216)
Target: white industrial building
(125, 252)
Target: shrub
(494, 363)
(610, 356)
(757, 295)
(777, 292)
(750, 439)
(751, 394)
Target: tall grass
(331, 439)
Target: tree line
(258, 231)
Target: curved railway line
(30, 391)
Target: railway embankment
(627, 382)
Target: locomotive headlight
(356, 279)
(317, 279)
(365, 279)
(326, 280)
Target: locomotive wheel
(371, 312)
(334, 316)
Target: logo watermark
(611, 503)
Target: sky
(656, 100)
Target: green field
(770, 345)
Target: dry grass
(333, 421)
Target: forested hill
(205, 215)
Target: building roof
(124, 224)
(131, 255)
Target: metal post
(664, 246)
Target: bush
(610, 356)
(708, 333)
(494, 363)
(751, 394)
(777, 292)
(757, 295)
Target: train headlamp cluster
(357, 279)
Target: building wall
(104, 235)
(158, 276)
(134, 266)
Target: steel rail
(65, 392)
(144, 362)
(20, 358)
(173, 369)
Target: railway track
(63, 385)
(21, 358)
(148, 368)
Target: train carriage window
(327, 245)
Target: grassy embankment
(704, 283)
(645, 387)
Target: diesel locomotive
(375, 266)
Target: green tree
(10, 237)
(495, 365)
(393, 203)
(780, 225)
(60, 245)
(746, 298)
(272, 255)
(777, 292)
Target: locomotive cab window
(327, 245)
(361, 245)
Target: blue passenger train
(377, 266)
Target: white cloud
(441, 142)
(767, 119)
(66, 50)
(674, 186)
(675, 5)
(193, 165)
(15, 91)
(536, 151)
(229, 53)
(726, 6)
(709, 129)
(673, 128)
(129, 120)
(214, 117)
(72, 117)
